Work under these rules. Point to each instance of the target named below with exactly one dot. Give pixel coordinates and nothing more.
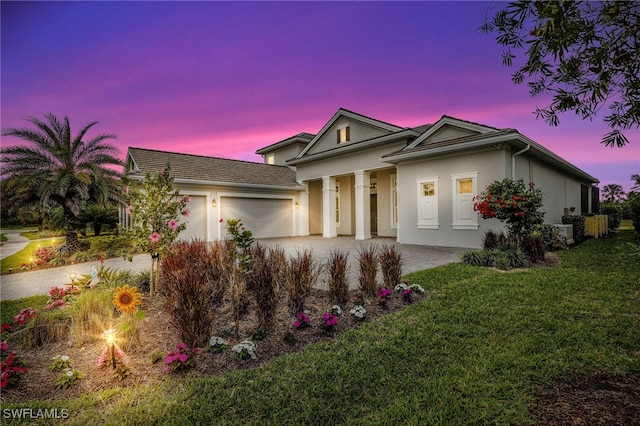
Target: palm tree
(58, 168)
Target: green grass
(472, 352)
(13, 307)
(626, 225)
(3, 238)
(24, 256)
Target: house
(364, 177)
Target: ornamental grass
(301, 276)
(390, 265)
(337, 277)
(367, 262)
(262, 287)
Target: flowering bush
(24, 315)
(104, 360)
(330, 321)
(44, 253)
(60, 362)
(408, 289)
(383, 294)
(180, 358)
(302, 321)
(59, 297)
(5, 328)
(512, 203)
(217, 345)
(358, 311)
(245, 350)
(10, 370)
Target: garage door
(197, 220)
(264, 217)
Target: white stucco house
(363, 177)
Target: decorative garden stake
(110, 337)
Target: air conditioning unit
(566, 231)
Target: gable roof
(447, 120)
(351, 115)
(299, 138)
(210, 170)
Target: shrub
(44, 253)
(368, 265)
(390, 265)
(578, 226)
(475, 257)
(261, 285)
(301, 275)
(493, 239)
(634, 205)
(614, 212)
(533, 246)
(338, 283)
(193, 288)
(551, 238)
(505, 258)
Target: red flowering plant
(11, 368)
(511, 202)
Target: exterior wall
(358, 132)
(490, 166)
(287, 153)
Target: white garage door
(197, 220)
(264, 217)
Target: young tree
(155, 209)
(587, 54)
(57, 168)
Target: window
(394, 200)
(465, 187)
(270, 158)
(428, 203)
(337, 203)
(344, 135)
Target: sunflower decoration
(126, 299)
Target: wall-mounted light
(297, 205)
(214, 202)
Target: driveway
(415, 258)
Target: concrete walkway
(23, 284)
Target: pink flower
(4, 346)
(173, 224)
(187, 198)
(155, 237)
(183, 357)
(221, 220)
(126, 189)
(128, 209)
(186, 213)
(181, 346)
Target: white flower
(215, 340)
(416, 287)
(69, 373)
(64, 358)
(335, 310)
(247, 345)
(358, 312)
(401, 287)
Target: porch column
(303, 210)
(363, 205)
(329, 207)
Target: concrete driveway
(23, 284)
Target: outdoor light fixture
(214, 202)
(72, 277)
(110, 337)
(297, 205)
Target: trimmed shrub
(261, 286)
(193, 288)
(614, 211)
(390, 265)
(338, 283)
(367, 262)
(301, 275)
(578, 222)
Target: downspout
(513, 160)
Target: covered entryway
(264, 217)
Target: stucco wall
(490, 166)
(358, 132)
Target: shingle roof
(209, 169)
(303, 137)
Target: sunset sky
(226, 78)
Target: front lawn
(480, 349)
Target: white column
(329, 207)
(303, 210)
(363, 205)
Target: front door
(374, 214)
